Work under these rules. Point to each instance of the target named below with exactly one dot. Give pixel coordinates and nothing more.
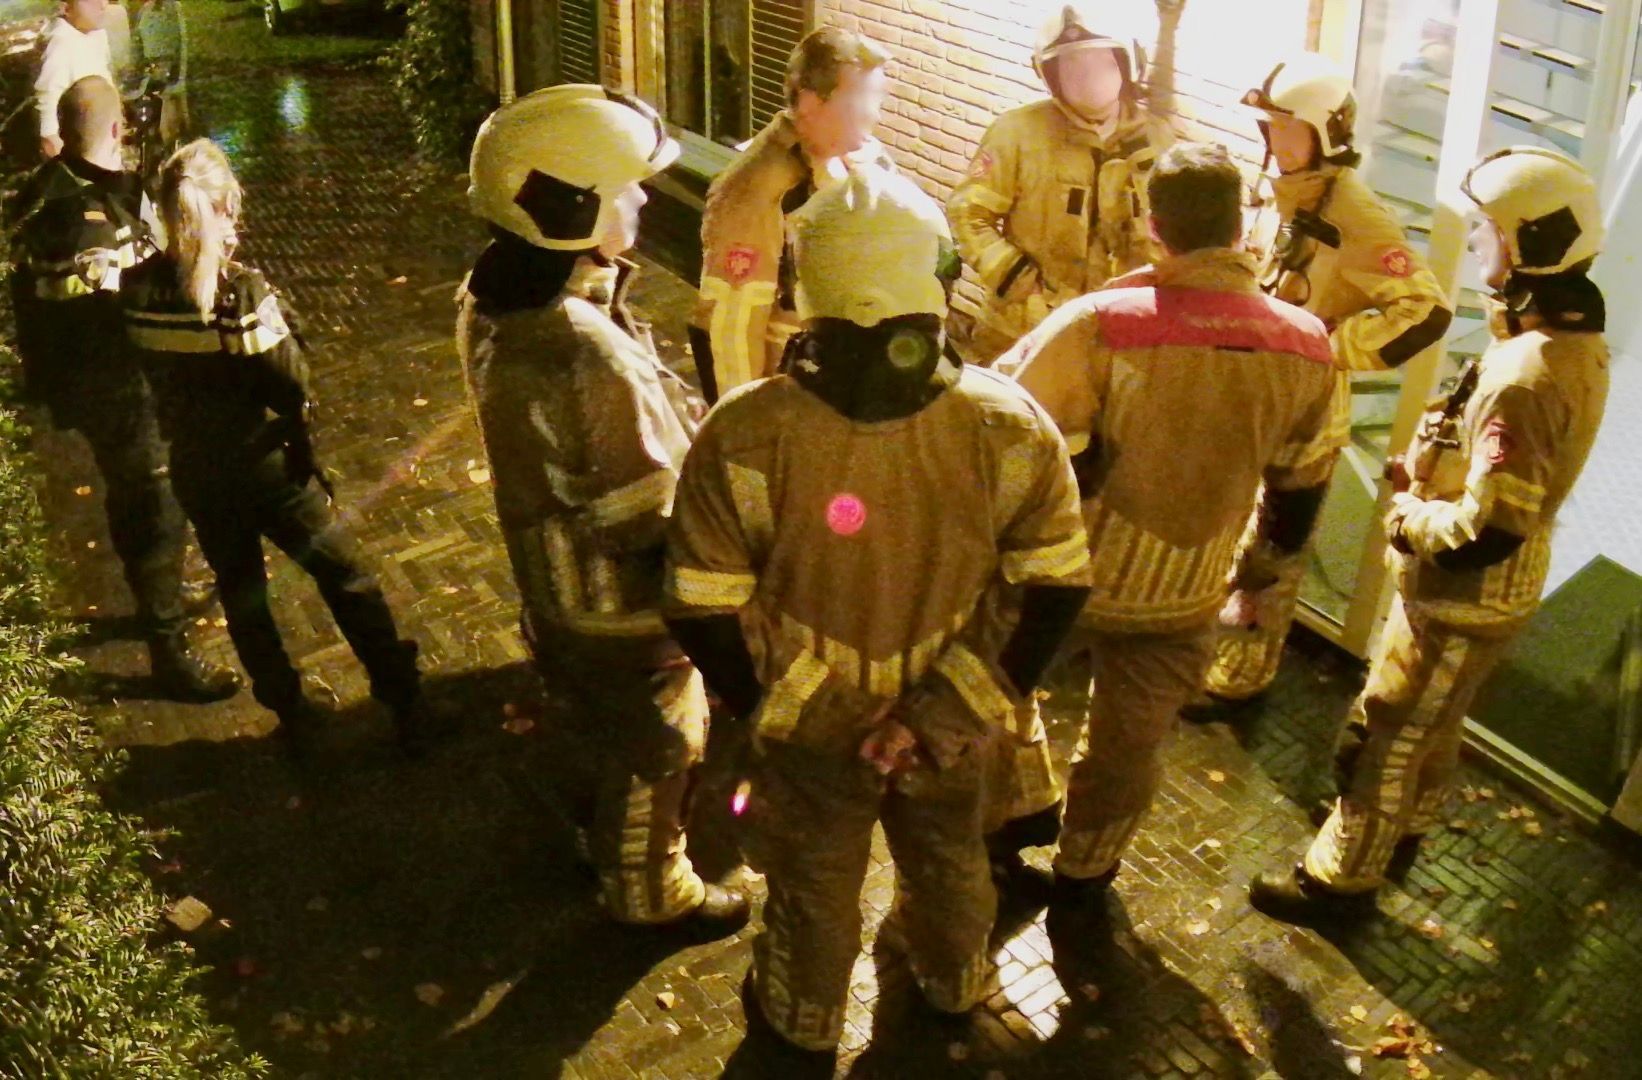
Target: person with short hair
(1180, 400)
(80, 232)
(836, 81)
(76, 46)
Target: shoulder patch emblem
(981, 167)
(1497, 442)
(1397, 262)
(740, 263)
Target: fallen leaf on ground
(91, 543)
(1211, 843)
(519, 725)
(1463, 1003)
(666, 999)
(492, 997)
(82, 490)
(1216, 776)
(1430, 930)
(400, 280)
(430, 993)
(419, 402)
(1534, 828)
(1198, 929)
(1510, 904)
(1487, 943)
(187, 914)
(1359, 1013)
(285, 1024)
(479, 475)
(1598, 908)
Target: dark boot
(301, 728)
(1004, 846)
(183, 675)
(1084, 893)
(722, 912)
(1296, 897)
(418, 725)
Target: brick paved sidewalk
(365, 906)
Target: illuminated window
(724, 63)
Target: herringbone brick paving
(366, 904)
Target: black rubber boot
(301, 727)
(1004, 846)
(183, 675)
(1296, 897)
(418, 725)
(1087, 893)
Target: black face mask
(873, 373)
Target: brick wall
(959, 63)
(616, 51)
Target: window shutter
(778, 26)
(579, 41)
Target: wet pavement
(364, 906)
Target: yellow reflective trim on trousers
(654, 492)
(732, 317)
(777, 715)
(708, 588)
(997, 259)
(1055, 561)
(973, 680)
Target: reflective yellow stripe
(196, 339)
(996, 261)
(1520, 493)
(1054, 561)
(67, 287)
(986, 198)
(973, 680)
(777, 715)
(707, 588)
(732, 318)
(654, 492)
(621, 624)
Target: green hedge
(86, 988)
(434, 76)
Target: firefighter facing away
(81, 231)
(1470, 523)
(835, 89)
(231, 382)
(586, 432)
(1341, 254)
(876, 624)
(1180, 400)
(1054, 202)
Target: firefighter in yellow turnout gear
(1180, 402)
(834, 585)
(1341, 254)
(1470, 526)
(1054, 202)
(835, 88)
(586, 432)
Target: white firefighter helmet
(1544, 203)
(1311, 89)
(546, 167)
(872, 247)
(1074, 27)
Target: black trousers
(144, 521)
(233, 509)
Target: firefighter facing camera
(1341, 253)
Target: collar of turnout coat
(1219, 269)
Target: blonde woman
(231, 384)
